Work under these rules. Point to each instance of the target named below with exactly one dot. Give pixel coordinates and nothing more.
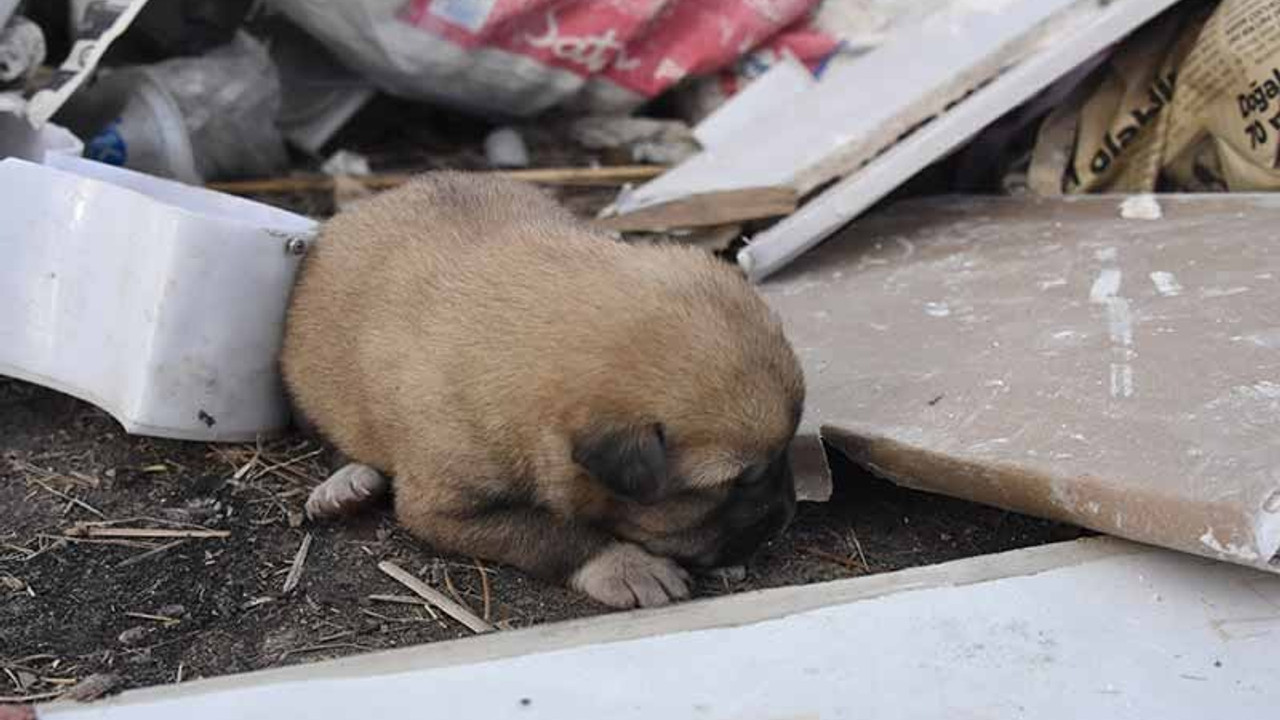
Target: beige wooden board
(1056, 358)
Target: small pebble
(134, 635)
(142, 657)
(92, 687)
(174, 611)
(732, 573)
(505, 148)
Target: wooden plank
(584, 176)
(1057, 358)
(1086, 31)
(91, 531)
(707, 209)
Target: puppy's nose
(776, 522)
(747, 541)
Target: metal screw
(296, 246)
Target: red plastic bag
(519, 57)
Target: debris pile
(1108, 362)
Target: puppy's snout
(772, 525)
(767, 527)
(777, 521)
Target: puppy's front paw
(625, 576)
(350, 488)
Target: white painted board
(1089, 29)
(1138, 634)
(864, 105)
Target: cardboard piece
(1104, 361)
(1193, 99)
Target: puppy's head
(689, 434)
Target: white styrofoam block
(159, 302)
(19, 139)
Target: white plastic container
(159, 302)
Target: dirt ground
(161, 611)
(152, 611)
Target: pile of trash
(211, 90)
(753, 128)
(1147, 95)
(756, 129)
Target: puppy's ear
(631, 461)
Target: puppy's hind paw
(351, 488)
(624, 575)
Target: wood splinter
(435, 597)
(295, 570)
(578, 176)
(91, 531)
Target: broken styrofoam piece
(1080, 36)
(22, 51)
(505, 148)
(346, 163)
(1031, 632)
(19, 139)
(161, 303)
(1056, 358)
(645, 139)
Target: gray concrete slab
(1104, 361)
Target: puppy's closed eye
(752, 475)
(630, 461)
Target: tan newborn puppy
(592, 412)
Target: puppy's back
(478, 305)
